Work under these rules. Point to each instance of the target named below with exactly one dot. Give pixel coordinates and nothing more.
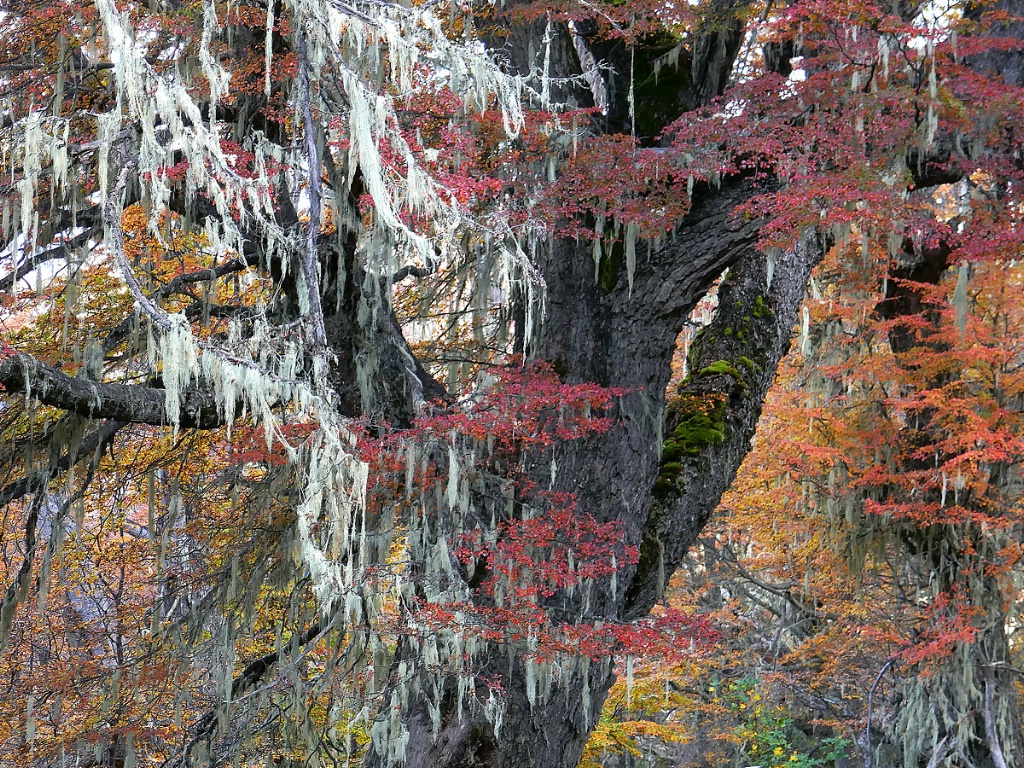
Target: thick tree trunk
(622, 333)
(626, 339)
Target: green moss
(760, 308)
(721, 367)
(700, 422)
(699, 419)
(698, 430)
(611, 265)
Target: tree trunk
(622, 333)
(623, 338)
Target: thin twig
(871, 697)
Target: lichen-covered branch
(36, 484)
(309, 258)
(130, 403)
(250, 676)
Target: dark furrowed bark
(549, 734)
(662, 93)
(626, 338)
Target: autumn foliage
(326, 439)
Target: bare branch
(941, 750)
(871, 698)
(59, 250)
(252, 674)
(112, 218)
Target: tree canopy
(369, 369)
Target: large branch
(129, 403)
(712, 418)
(670, 282)
(1003, 65)
(733, 364)
(644, 94)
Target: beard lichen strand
(216, 76)
(335, 485)
(33, 140)
(335, 479)
(412, 35)
(409, 36)
(934, 703)
(31, 162)
(170, 121)
(180, 360)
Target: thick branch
(411, 271)
(715, 47)
(710, 424)
(668, 284)
(130, 403)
